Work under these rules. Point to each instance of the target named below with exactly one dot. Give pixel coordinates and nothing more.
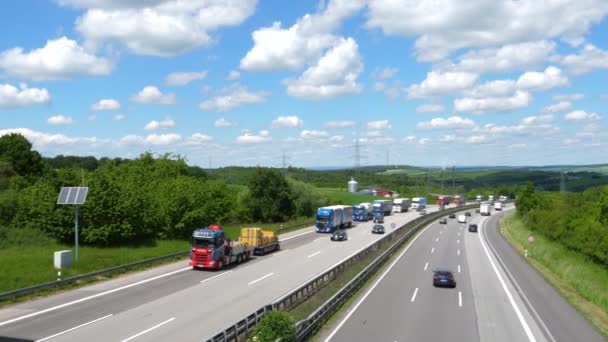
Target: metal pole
(76, 232)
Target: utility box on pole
(62, 259)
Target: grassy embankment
(579, 280)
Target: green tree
(273, 326)
(527, 200)
(17, 150)
(270, 198)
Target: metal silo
(352, 185)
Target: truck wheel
(220, 265)
(239, 259)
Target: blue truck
(333, 217)
(362, 212)
(383, 206)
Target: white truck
(498, 206)
(462, 218)
(484, 209)
(419, 203)
(400, 205)
(491, 199)
(478, 198)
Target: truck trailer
(400, 205)
(485, 208)
(334, 217)
(498, 206)
(362, 212)
(419, 203)
(458, 200)
(384, 206)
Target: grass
(341, 196)
(24, 266)
(580, 281)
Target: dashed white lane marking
(432, 250)
(457, 241)
(426, 266)
(313, 254)
(458, 268)
(459, 252)
(414, 295)
(217, 276)
(148, 330)
(72, 329)
(459, 299)
(260, 279)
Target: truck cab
(210, 249)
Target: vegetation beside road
(576, 277)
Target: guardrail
(300, 294)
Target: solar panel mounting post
(74, 196)
(76, 230)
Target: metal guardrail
(303, 292)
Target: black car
(443, 277)
(477, 211)
(443, 221)
(452, 216)
(473, 228)
(378, 229)
(339, 235)
(467, 213)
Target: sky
(309, 84)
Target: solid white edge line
(414, 295)
(148, 330)
(313, 254)
(520, 316)
(331, 335)
(295, 236)
(260, 279)
(459, 299)
(33, 314)
(426, 266)
(72, 329)
(216, 276)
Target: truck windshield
(203, 243)
(322, 218)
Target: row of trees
(579, 221)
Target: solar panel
(73, 195)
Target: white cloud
(581, 115)
(409, 139)
(106, 104)
(448, 138)
(233, 75)
(424, 141)
(568, 97)
(336, 138)
(378, 125)
(558, 107)
(477, 139)
(197, 139)
(520, 99)
(223, 123)
(12, 97)
(374, 134)
(276, 48)
(183, 78)
(152, 139)
(153, 95)
(550, 78)
(58, 120)
(444, 26)
(441, 83)
(385, 73)
(313, 134)
(570, 141)
(233, 97)
(61, 58)
(42, 139)
(153, 125)
(506, 58)
(248, 137)
(496, 88)
(334, 74)
(379, 86)
(535, 120)
(521, 145)
(287, 122)
(159, 28)
(339, 124)
(119, 117)
(453, 122)
(430, 108)
(588, 59)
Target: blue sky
(242, 82)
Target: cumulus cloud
(520, 99)
(42, 139)
(378, 125)
(385, 73)
(589, 58)
(287, 122)
(336, 138)
(12, 97)
(339, 124)
(333, 75)
(197, 139)
(61, 58)
(453, 122)
(313, 134)
(539, 119)
(158, 28)
(233, 97)
(430, 108)
(59, 120)
(248, 137)
(223, 123)
(496, 88)
(444, 26)
(233, 75)
(152, 95)
(581, 115)
(154, 125)
(441, 83)
(106, 104)
(119, 117)
(183, 78)
(151, 139)
(477, 139)
(551, 77)
(558, 107)
(568, 97)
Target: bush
(275, 325)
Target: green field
(341, 196)
(577, 279)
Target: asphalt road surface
(498, 296)
(176, 303)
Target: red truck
(458, 200)
(443, 200)
(212, 250)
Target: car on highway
(452, 216)
(477, 211)
(443, 277)
(443, 220)
(339, 235)
(378, 229)
(473, 227)
(422, 212)
(467, 213)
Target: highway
(498, 296)
(174, 302)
